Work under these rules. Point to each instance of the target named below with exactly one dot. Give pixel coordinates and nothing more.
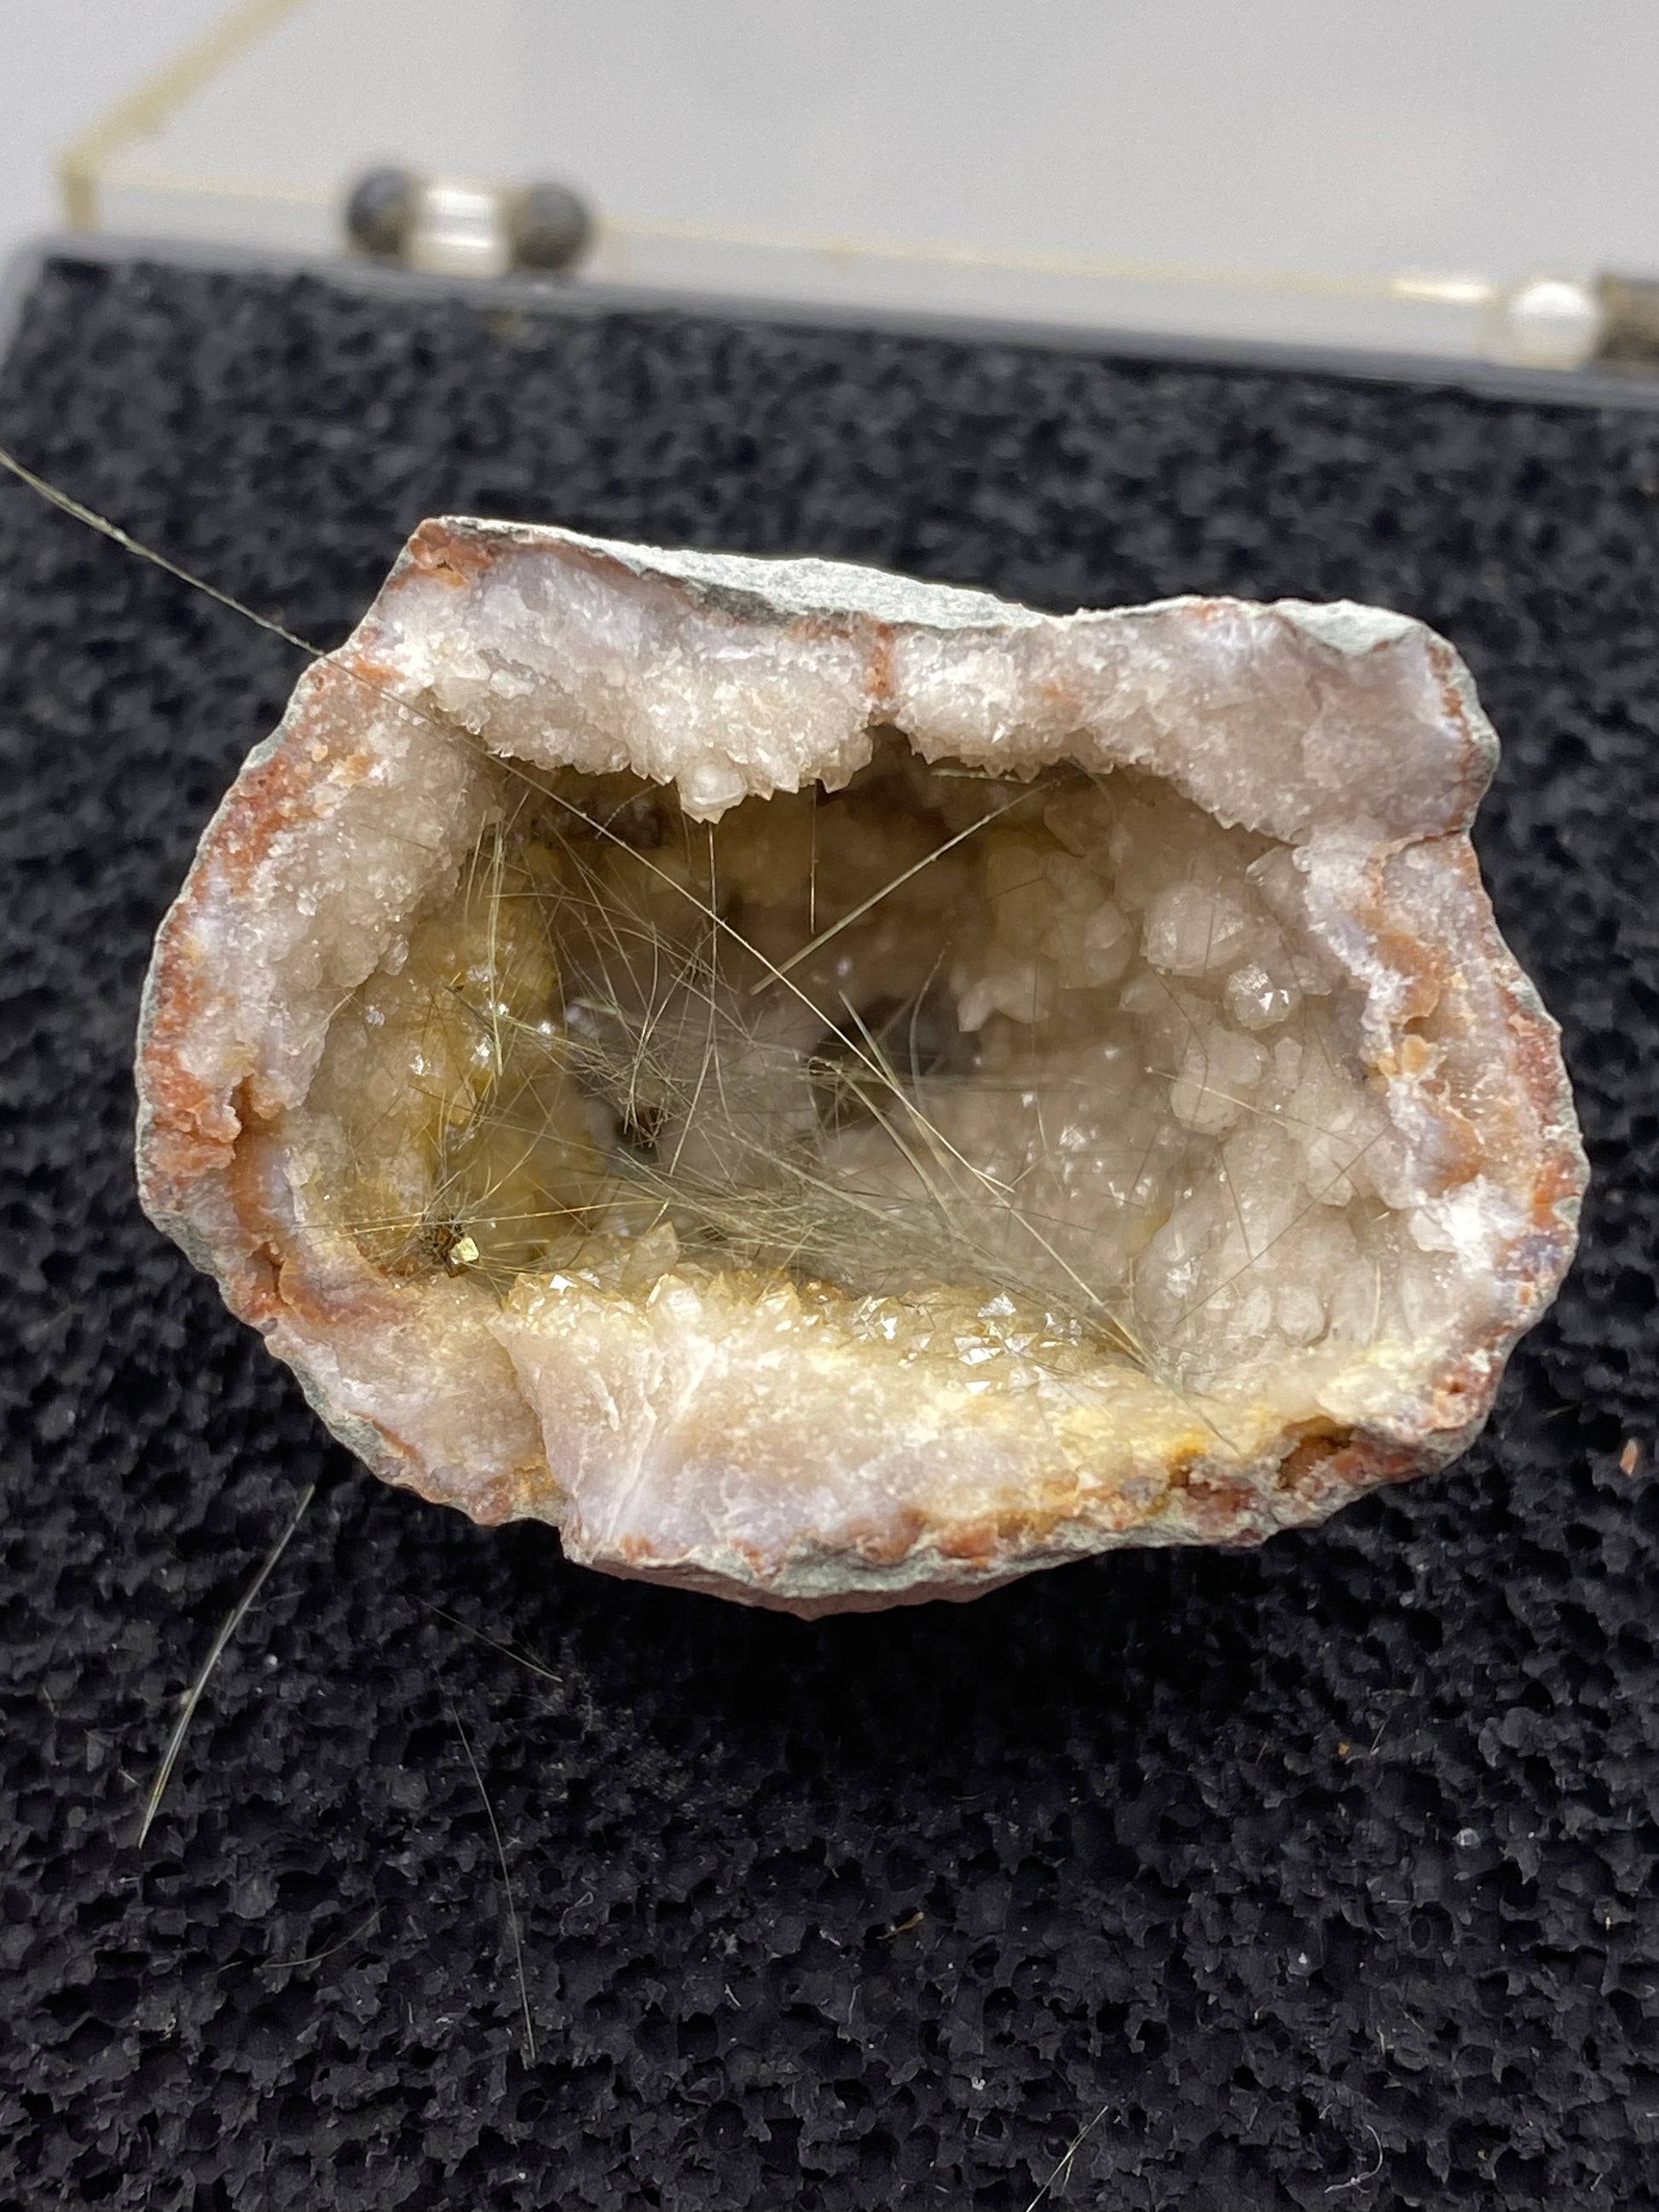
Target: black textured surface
(1332, 1864)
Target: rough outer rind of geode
(663, 1433)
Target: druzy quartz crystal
(836, 1091)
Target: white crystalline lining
(1251, 1133)
(1233, 702)
(1296, 1231)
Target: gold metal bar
(158, 100)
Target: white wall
(63, 63)
(1325, 135)
(1316, 134)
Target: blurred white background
(1319, 151)
(62, 65)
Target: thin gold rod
(507, 1889)
(117, 536)
(1452, 289)
(228, 1628)
(816, 944)
(158, 99)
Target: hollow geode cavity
(836, 1091)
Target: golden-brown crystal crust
(656, 1430)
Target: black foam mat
(1316, 1876)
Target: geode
(836, 1091)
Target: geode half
(836, 1091)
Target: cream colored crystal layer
(836, 1091)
